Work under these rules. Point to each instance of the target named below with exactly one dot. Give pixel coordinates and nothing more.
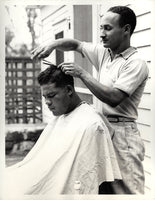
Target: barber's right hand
(42, 52)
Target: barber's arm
(110, 95)
(60, 44)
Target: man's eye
(51, 96)
(108, 28)
(105, 27)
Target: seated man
(75, 147)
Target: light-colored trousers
(130, 151)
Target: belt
(116, 119)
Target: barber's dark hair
(127, 16)
(52, 74)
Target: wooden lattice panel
(23, 94)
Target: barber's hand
(72, 69)
(42, 51)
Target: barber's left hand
(72, 69)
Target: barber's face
(56, 98)
(111, 33)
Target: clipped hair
(52, 74)
(127, 16)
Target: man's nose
(103, 36)
(48, 101)
(102, 33)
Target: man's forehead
(48, 88)
(49, 85)
(110, 18)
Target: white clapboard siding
(147, 88)
(147, 145)
(140, 39)
(47, 26)
(145, 101)
(50, 34)
(144, 131)
(148, 182)
(147, 164)
(51, 24)
(48, 10)
(145, 52)
(144, 116)
(55, 14)
(143, 22)
(147, 190)
(46, 37)
(56, 17)
(54, 22)
(140, 8)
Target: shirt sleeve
(132, 75)
(94, 53)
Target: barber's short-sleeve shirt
(127, 72)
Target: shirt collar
(126, 53)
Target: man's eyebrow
(104, 25)
(48, 94)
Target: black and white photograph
(77, 100)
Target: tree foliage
(22, 49)
(32, 15)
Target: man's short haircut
(52, 74)
(127, 16)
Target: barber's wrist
(55, 44)
(84, 75)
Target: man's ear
(127, 29)
(70, 89)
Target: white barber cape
(72, 148)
